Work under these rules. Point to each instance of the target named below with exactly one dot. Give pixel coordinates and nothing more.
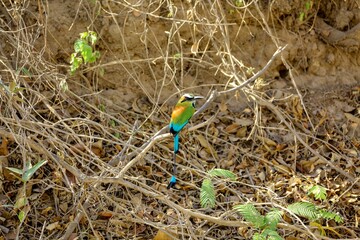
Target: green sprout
(83, 50)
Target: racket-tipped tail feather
(172, 182)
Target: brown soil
(150, 52)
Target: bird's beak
(198, 97)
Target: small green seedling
(239, 3)
(266, 225)
(307, 7)
(28, 171)
(12, 90)
(84, 50)
(22, 203)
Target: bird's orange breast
(178, 110)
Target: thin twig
(189, 212)
(282, 119)
(214, 94)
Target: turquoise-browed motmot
(183, 111)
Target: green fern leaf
(258, 236)
(270, 234)
(330, 216)
(251, 214)
(273, 217)
(304, 209)
(218, 172)
(207, 194)
(319, 192)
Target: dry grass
(97, 185)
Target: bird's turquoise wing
(175, 128)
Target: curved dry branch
(349, 39)
(160, 134)
(282, 119)
(121, 181)
(191, 212)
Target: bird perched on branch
(183, 111)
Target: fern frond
(270, 234)
(273, 218)
(304, 209)
(330, 216)
(319, 192)
(251, 214)
(207, 194)
(218, 172)
(258, 236)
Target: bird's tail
(173, 178)
(176, 150)
(176, 143)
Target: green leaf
(338, 219)
(84, 35)
(28, 165)
(251, 214)
(72, 58)
(26, 72)
(330, 216)
(79, 45)
(177, 56)
(207, 194)
(96, 54)
(21, 215)
(76, 62)
(12, 86)
(270, 234)
(93, 37)
(91, 58)
(86, 53)
(19, 89)
(15, 170)
(258, 236)
(28, 174)
(20, 202)
(239, 3)
(217, 172)
(273, 217)
(302, 16)
(102, 107)
(112, 123)
(308, 5)
(319, 192)
(304, 209)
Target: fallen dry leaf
(242, 132)
(232, 128)
(52, 226)
(4, 151)
(46, 210)
(105, 215)
(352, 118)
(205, 144)
(161, 235)
(267, 141)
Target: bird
(182, 112)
